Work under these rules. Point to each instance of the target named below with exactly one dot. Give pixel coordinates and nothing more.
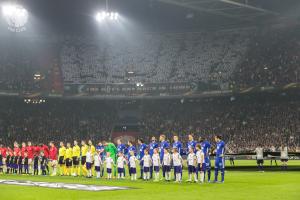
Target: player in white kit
(156, 164)
(177, 162)
(132, 164)
(167, 164)
(200, 162)
(192, 163)
(260, 158)
(284, 156)
(89, 161)
(147, 164)
(121, 162)
(109, 164)
(97, 163)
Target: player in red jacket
(37, 150)
(23, 149)
(10, 151)
(3, 150)
(30, 153)
(16, 148)
(53, 157)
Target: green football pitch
(244, 185)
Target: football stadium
(150, 99)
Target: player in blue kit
(163, 145)
(177, 145)
(191, 143)
(142, 147)
(220, 158)
(153, 145)
(123, 149)
(205, 146)
(129, 149)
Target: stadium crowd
(272, 59)
(154, 58)
(228, 59)
(244, 123)
(20, 59)
(243, 58)
(57, 121)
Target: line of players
(21, 159)
(88, 159)
(283, 157)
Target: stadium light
(104, 15)
(139, 84)
(16, 17)
(34, 101)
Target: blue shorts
(132, 170)
(191, 169)
(108, 170)
(1, 164)
(219, 163)
(20, 166)
(201, 168)
(141, 163)
(167, 168)
(177, 169)
(88, 165)
(35, 167)
(120, 170)
(97, 168)
(146, 169)
(156, 168)
(207, 163)
(26, 167)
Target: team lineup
(158, 160)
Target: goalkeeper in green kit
(112, 149)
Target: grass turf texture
(238, 185)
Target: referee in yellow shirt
(69, 154)
(84, 149)
(76, 156)
(61, 158)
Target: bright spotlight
(139, 84)
(99, 17)
(16, 17)
(104, 15)
(112, 16)
(8, 10)
(116, 16)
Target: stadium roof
(157, 15)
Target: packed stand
(56, 120)
(272, 59)
(244, 124)
(153, 58)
